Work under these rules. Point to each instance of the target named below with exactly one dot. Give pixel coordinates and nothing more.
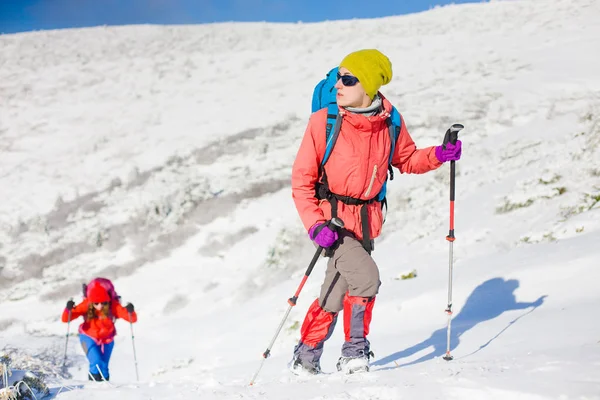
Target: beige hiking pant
(350, 269)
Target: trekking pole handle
(336, 222)
(452, 134)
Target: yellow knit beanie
(372, 68)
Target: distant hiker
(99, 309)
(353, 138)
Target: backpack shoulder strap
(394, 123)
(332, 130)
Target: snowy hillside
(160, 157)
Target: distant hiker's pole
(451, 136)
(336, 223)
(137, 376)
(67, 339)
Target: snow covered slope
(161, 156)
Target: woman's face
(98, 306)
(352, 94)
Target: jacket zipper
(372, 181)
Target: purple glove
(323, 235)
(451, 153)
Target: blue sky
(27, 15)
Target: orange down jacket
(357, 166)
(102, 328)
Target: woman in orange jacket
(347, 187)
(99, 310)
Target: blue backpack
(324, 96)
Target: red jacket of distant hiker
(101, 328)
(357, 166)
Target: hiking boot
(304, 368)
(95, 377)
(98, 377)
(351, 365)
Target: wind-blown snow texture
(160, 157)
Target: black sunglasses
(347, 80)
(104, 303)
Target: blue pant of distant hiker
(98, 355)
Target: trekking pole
(67, 339)
(336, 223)
(137, 376)
(451, 136)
